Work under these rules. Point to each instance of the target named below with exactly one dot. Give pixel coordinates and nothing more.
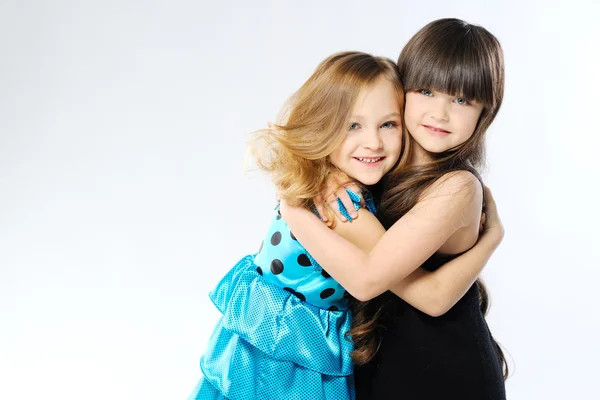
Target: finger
(334, 182)
(347, 202)
(319, 205)
(333, 203)
(489, 199)
(488, 193)
(356, 189)
(482, 222)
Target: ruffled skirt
(271, 345)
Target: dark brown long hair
(457, 58)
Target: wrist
(494, 235)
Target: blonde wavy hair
(313, 124)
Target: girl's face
(438, 122)
(373, 134)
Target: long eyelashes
(386, 125)
(461, 101)
(389, 124)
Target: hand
(490, 219)
(336, 188)
(482, 222)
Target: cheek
(334, 159)
(337, 157)
(470, 123)
(411, 113)
(393, 143)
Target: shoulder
(456, 198)
(457, 187)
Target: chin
(436, 149)
(369, 181)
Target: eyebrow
(394, 114)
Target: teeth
(368, 160)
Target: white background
(123, 197)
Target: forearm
(399, 252)
(343, 260)
(408, 243)
(435, 293)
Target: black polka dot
(261, 246)
(297, 294)
(276, 238)
(292, 235)
(333, 308)
(304, 260)
(325, 274)
(259, 270)
(276, 266)
(327, 293)
(278, 214)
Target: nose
(372, 139)
(439, 109)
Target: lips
(369, 162)
(436, 131)
(369, 159)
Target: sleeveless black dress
(430, 358)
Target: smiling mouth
(369, 160)
(439, 131)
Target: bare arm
(447, 207)
(433, 293)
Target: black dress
(429, 358)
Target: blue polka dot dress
(282, 332)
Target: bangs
(456, 65)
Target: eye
(389, 125)
(354, 126)
(461, 101)
(426, 92)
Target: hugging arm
(381, 261)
